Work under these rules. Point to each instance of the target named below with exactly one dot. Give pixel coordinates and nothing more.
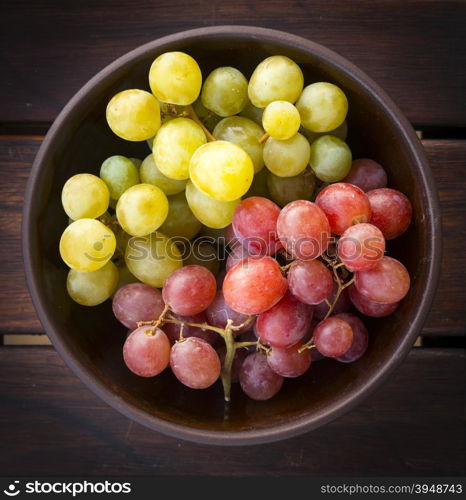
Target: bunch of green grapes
(209, 141)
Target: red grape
(368, 307)
(333, 337)
(146, 351)
(240, 355)
(360, 338)
(189, 290)
(391, 211)
(219, 312)
(195, 363)
(366, 174)
(387, 282)
(344, 205)
(173, 330)
(361, 247)
(254, 285)
(303, 229)
(137, 302)
(289, 362)
(310, 281)
(257, 379)
(343, 303)
(255, 225)
(285, 323)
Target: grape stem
(239, 345)
(193, 115)
(155, 324)
(203, 326)
(235, 328)
(264, 138)
(285, 268)
(226, 333)
(335, 265)
(181, 338)
(262, 347)
(308, 345)
(228, 363)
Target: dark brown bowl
(90, 339)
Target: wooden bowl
(90, 339)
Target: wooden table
(50, 424)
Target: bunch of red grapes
(291, 278)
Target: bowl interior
(91, 339)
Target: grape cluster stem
(193, 115)
(228, 333)
(262, 139)
(334, 263)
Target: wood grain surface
(65, 430)
(413, 49)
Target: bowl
(90, 339)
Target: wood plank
(17, 314)
(448, 161)
(414, 50)
(52, 425)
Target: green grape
(330, 158)
(255, 114)
(87, 245)
(134, 115)
(244, 133)
(93, 288)
(287, 158)
(150, 142)
(284, 190)
(175, 78)
(174, 145)
(142, 209)
(259, 185)
(276, 78)
(221, 170)
(281, 120)
(207, 117)
(322, 106)
(152, 258)
(180, 220)
(85, 196)
(119, 173)
(212, 213)
(136, 162)
(341, 132)
(225, 91)
(150, 174)
(203, 254)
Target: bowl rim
(289, 428)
